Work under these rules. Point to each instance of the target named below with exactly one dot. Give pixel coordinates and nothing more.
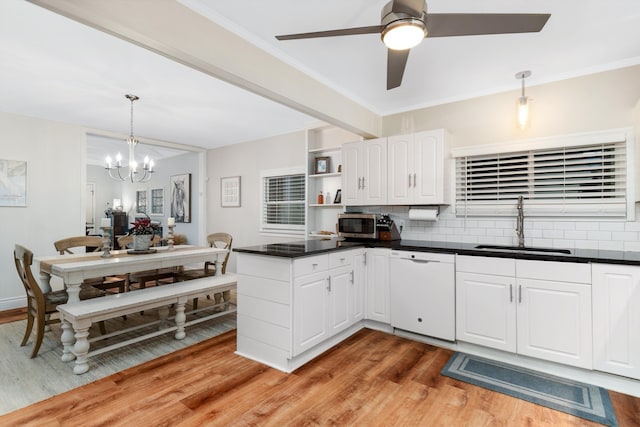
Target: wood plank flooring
(371, 379)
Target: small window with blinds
(283, 203)
(588, 180)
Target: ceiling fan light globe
(404, 34)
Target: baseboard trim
(11, 303)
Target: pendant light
(523, 101)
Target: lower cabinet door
(310, 308)
(339, 299)
(554, 321)
(486, 310)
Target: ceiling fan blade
(411, 7)
(470, 24)
(332, 33)
(396, 61)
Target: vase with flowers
(142, 231)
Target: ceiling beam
(180, 34)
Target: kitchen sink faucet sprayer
(520, 223)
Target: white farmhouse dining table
(73, 269)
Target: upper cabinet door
(374, 181)
(401, 170)
(428, 157)
(352, 173)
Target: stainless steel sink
(524, 249)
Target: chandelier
(117, 170)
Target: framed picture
(180, 188)
(321, 165)
(157, 201)
(338, 198)
(230, 192)
(141, 201)
(13, 183)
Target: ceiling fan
(405, 23)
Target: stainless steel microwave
(357, 226)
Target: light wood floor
(370, 379)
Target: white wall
(55, 171)
(247, 160)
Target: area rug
(26, 381)
(582, 400)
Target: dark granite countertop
(303, 248)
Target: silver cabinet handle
(363, 182)
(352, 276)
(329, 283)
(510, 292)
(520, 294)
(414, 179)
(409, 180)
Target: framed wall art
(180, 188)
(157, 201)
(321, 165)
(230, 192)
(13, 183)
(141, 201)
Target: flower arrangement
(143, 226)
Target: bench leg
(81, 348)
(163, 314)
(67, 342)
(180, 319)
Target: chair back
(23, 258)
(125, 241)
(64, 246)
(224, 241)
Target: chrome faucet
(520, 223)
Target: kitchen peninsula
(299, 299)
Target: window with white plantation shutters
(588, 180)
(283, 203)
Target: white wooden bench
(77, 318)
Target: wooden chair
(215, 240)
(40, 306)
(64, 246)
(144, 277)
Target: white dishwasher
(423, 293)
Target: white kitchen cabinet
(377, 291)
(418, 168)
(616, 319)
(485, 308)
(323, 302)
(535, 308)
(364, 176)
(310, 311)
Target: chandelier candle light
(132, 173)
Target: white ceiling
(59, 69)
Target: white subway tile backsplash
(505, 224)
(543, 225)
(575, 235)
(563, 244)
(564, 225)
(624, 235)
(495, 232)
(612, 226)
(632, 226)
(599, 235)
(611, 246)
(587, 226)
(553, 234)
(632, 246)
(586, 244)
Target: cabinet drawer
(554, 271)
(486, 265)
(309, 265)
(340, 259)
